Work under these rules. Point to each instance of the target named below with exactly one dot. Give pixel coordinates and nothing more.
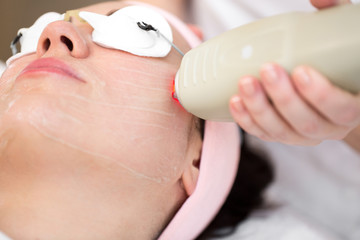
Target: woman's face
(99, 150)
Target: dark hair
(254, 174)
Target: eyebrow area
(112, 11)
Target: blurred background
(16, 14)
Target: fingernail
(236, 104)
(303, 76)
(271, 74)
(248, 86)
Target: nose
(62, 37)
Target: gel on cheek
(126, 107)
(6, 101)
(170, 162)
(145, 96)
(70, 110)
(47, 123)
(4, 139)
(43, 126)
(6, 84)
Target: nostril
(67, 42)
(46, 44)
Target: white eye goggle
(134, 29)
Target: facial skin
(107, 154)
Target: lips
(52, 66)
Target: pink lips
(50, 65)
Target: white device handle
(328, 40)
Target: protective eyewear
(134, 29)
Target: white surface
(216, 16)
(322, 183)
(278, 224)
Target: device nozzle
(174, 95)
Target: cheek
(130, 122)
(149, 143)
(144, 127)
(7, 80)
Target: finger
(242, 117)
(292, 107)
(327, 3)
(263, 113)
(337, 105)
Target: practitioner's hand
(353, 138)
(302, 109)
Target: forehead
(105, 7)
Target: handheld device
(328, 40)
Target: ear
(195, 29)
(191, 173)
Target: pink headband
(218, 165)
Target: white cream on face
(140, 115)
(117, 141)
(127, 109)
